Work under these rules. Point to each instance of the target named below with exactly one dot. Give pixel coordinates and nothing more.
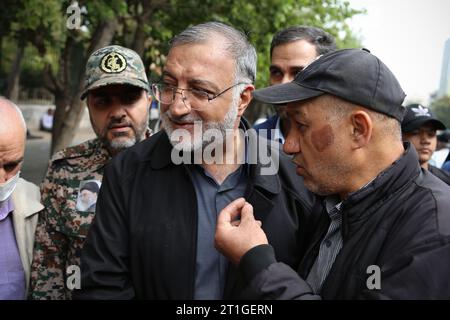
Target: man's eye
(101, 102)
(295, 72)
(130, 98)
(276, 73)
(301, 126)
(200, 93)
(10, 167)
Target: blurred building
(444, 87)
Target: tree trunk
(67, 120)
(12, 89)
(139, 39)
(69, 107)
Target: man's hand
(235, 237)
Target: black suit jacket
(143, 241)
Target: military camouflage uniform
(61, 228)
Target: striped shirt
(329, 248)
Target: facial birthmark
(322, 138)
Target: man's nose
(424, 139)
(4, 176)
(291, 144)
(117, 109)
(180, 105)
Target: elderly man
(153, 236)
(118, 100)
(291, 50)
(19, 205)
(384, 230)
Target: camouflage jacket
(63, 224)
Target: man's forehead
(199, 60)
(298, 108)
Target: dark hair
(323, 41)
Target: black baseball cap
(417, 116)
(354, 75)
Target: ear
(362, 127)
(246, 97)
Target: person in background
(442, 153)
(46, 123)
(118, 100)
(19, 206)
(419, 127)
(291, 50)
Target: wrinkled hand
(235, 237)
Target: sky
(409, 37)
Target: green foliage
(42, 23)
(441, 107)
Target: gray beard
(197, 143)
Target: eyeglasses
(194, 98)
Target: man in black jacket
(153, 234)
(384, 231)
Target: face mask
(7, 187)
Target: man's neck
(425, 165)
(220, 169)
(370, 169)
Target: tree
(441, 107)
(146, 26)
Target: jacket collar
(364, 202)
(271, 183)
(25, 203)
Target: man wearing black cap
(384, 229)
(419, 127)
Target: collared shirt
(278, 135)
(12, 275)
(330, 246)
(211, 266)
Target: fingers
(231, 211)
(247, 213)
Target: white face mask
(7, 187)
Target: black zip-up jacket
(143, 241)
(400, 223)
(441, 174)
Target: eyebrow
(13, 162)
(207, 83)
(274, 66)
(296, 112)
(166, 73)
